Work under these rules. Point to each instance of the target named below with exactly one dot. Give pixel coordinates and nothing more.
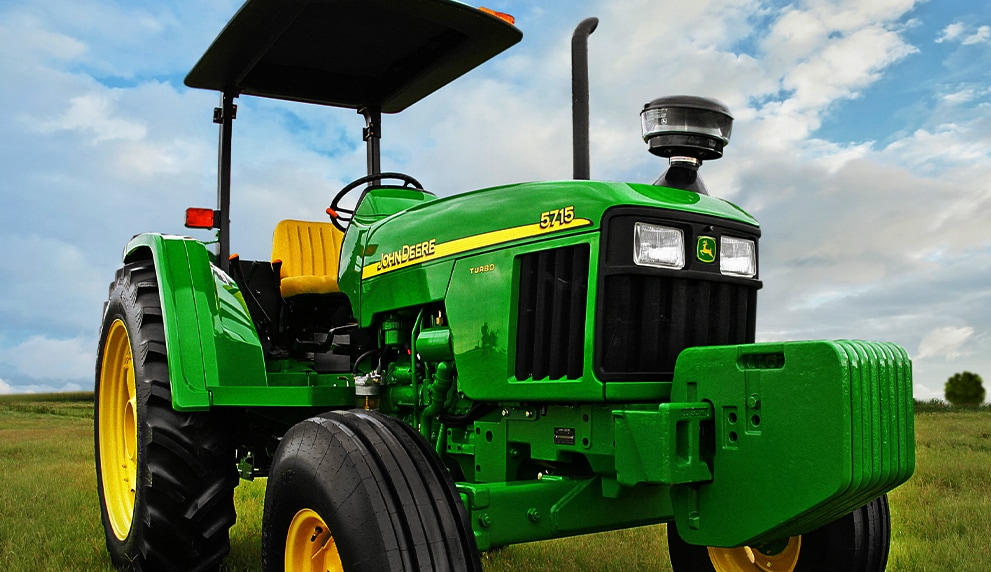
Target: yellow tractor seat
(310, 253)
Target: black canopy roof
(387, 54)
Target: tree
(965, 389)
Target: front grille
(646, 316)
(553, 292)
(645, 321)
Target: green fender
(210, 339)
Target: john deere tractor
(424, 378)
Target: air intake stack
(687, 130)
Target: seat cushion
(310, 253)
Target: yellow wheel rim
(750, 559)
(118, 429)
(310, 547)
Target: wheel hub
(118, 427)
(776, 557)
(310, 546)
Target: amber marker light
(509, 19)
(200, 218)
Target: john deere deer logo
(705, 250)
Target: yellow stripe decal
(411, 255)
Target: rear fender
(209, 336)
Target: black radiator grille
(550, 334)
(645, 321)
(645, 316)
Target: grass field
(49, 512)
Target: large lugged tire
(857, 542)
(359, 491)
(166, 479)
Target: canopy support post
(224, 116)
(372, 134)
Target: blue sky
(862, 143)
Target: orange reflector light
(200, 218)
(501, 15)
(333, 214)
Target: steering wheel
(335, 211)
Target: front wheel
(358, 491)
(857, 542)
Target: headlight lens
(659, 246)
(737, 257)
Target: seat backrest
(310, 253)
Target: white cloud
(43, 358)
(959, 31)
(27, 32)
(5, 388)
(959, 97)
(94, 114)
(951, 32)
(930, 150)
(923, 392)
(843, 66)
(981, 36)
(946, 342)
(820, 55)
(51, 283)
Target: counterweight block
(804, 432)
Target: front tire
(857, 542)
(358, 491)
(165, 479)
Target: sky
(861, 142)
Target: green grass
(49, 512)
(940, 406)
(941, 518)
(78, 404)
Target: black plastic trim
(645, 316)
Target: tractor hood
(421, 239)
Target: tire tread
(411, 518)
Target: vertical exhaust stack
(579, 97)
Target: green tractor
(423, 378)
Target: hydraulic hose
(441, 386)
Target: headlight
(737, 257)
(659, 246)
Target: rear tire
(165, 479)
(857, 542)
(359, 491)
